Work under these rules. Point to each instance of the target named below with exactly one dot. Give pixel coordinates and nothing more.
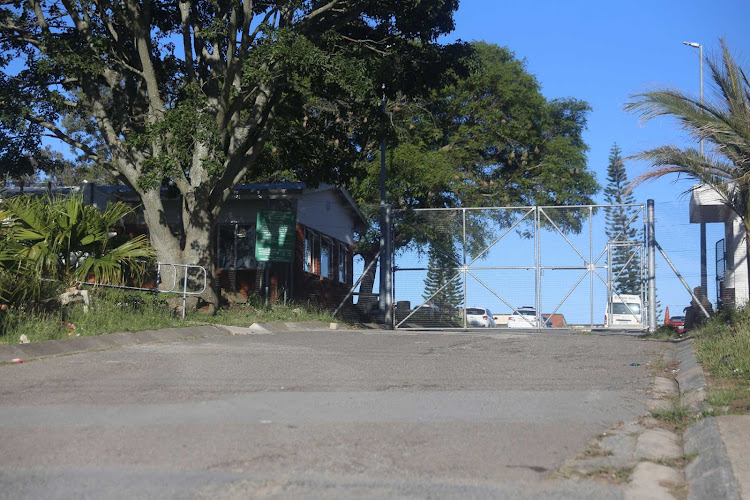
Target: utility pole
(384, 297)
(704, 265)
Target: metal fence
(523, 267)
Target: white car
(524, 317)
(479, 316)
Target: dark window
(236, 246)
(620, 308)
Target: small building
(326, 222)
(708, 206)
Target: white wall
(326, 212)
(737, 258)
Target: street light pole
(384, 297)
(704, 267)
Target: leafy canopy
(64, 239)
(722, 120)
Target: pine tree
(626, 261)
(440, 289)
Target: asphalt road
(334, 414)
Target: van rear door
(626, 313)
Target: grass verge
(722, 346)
(114, 310)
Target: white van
(624, 311)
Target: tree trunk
(366, 298)
(200, 235)
(166, 244)
(199, 230)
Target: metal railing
(186, 268)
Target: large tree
(187, 93)
(722, 121)
(622, 230)
(489, 138)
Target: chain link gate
(519, 267)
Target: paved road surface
(319, 415)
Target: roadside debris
(70, 326)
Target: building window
(307, 260)
(343, 263)
(236, 246)
(325, 258)
(311, 263)
(322, 256)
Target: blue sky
(603, 52)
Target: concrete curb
(710, 474)
(51, 348)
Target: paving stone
(691, 379)
(702, 437)
(719, 483)
(650, 422)
(665, 386)
(651, 481)
(704, 464)
(620, 444)
(694, 398)
(655, 405)
(658, 444)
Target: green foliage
(622, 228)
(63, 239)
(486, 139)
(722, 345)
(676, 414)
(296, 75)
(722, 120)
(255, 310)
(441, 286)
(112, 310)
(505, 141)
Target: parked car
(523, 317)
(678, 322)
(479, 316)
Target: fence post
(651, 241)
(387, 269)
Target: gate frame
(590, 266)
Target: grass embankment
(120, 311)
(722, 347)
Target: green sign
(274, 240)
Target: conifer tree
(440, 289)
(626, 261)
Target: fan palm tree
(65, 239)
(723, 122)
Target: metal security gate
(516, 267)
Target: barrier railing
(186, 268)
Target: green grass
(662, 333)
(722, 346)
(114, 310)
(676, 415)
(255, 311)
(111, 311)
